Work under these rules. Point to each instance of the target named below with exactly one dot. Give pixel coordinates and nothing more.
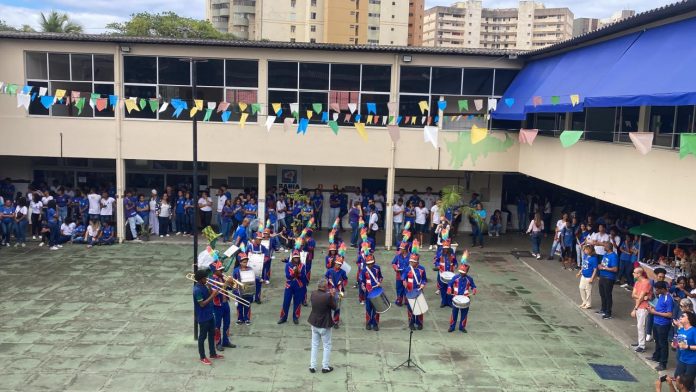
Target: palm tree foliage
(56, 22)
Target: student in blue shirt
(189, 210)
(318, 207)
(7, 221)
(226, 220)
(250, 209)
(83, 208)
(203, 310)
(180, 213)
(607, 276)
(62, 201)
(587, 275)
(78, 235)
(625, 261)
(662, 313)
(343, 207)
(238, 210)
(53, 225)
(567, 245)
(107, 234)
(686, 337)
(143, 209)
(241, 235)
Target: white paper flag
(430, 135)
(43, 91)
(423, 120)
(269, 122)
(352, 107)
(212, 105)
(294, 107)
(23, 100)
(492, 104)
(164, 107)
(335, 116)
(478, 103)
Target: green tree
(56, 22)
(166, 24)
(5, 27)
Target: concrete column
(262, 194)
(644, 119)
(389, 199)
(120, 190)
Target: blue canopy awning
(658, 70)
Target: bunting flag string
(478, 134)
(527, 136)
(642, 141)
(569, 138)
(687, 144)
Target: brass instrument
(221, 288)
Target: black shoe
(239, 322)
(258, 301)
(419, 326)
(442, 305)
(463, 330)
(450, 330)
(281, 321)
(312, 370)
(295, 321)
(639, 350)
(660, 367)
(375, 328)
(634, 344)
(600, 312)
(651, 358)
(336, 326)
(328, 370)
(412, 327)
(368, 327)
(304, 304)
(229, 345)
(219, 348)
(606, 317)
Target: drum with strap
(446, 277)
(248, 279)
(417, 302)
(379, 300)
(256, 263)
(461, 301)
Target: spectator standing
(154, 206)
(132, 217)
(521, 212)
(318, 207)
(536, 230)
(322, 324)
(221, 199)
(281, 210)
(334, 206)
(106, 211)
(353, 218)
(205, 205)
(587, 276)
(379, 205)
(600, 240)
(641, 294)
(373, 222)
(36, 206)
(164, 215)
(421, 220)
(94, 204)
(607, 276)
(662, 314)
(7, 221)
(434, 221)
(398, 212)
(21, 222)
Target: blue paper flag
(398, 120)
(302, 128)
(279, 113)
(325, 117)
(178, 106)
(33, 97)
(113, 100)
(442, 105)
(437, 118)
(371, 108)
(47, 101)
(357, 118)
(226, 116)
(509, 102)
(26, 90)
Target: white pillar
(120, 187)
(389, 216)
(262, 194)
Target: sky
(93, 15)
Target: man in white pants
(642, 291)
(322, 323)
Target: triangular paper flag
(360, 127)
(276, 107)
(334, 116)
(324, 117)
(386, 119)
(527, 136)
(113, 100)
(101, 104)
(93, 99)
(347, 117)
(317, 107)
(303, 125)
(357, 117)
(242, 119)
(222, 106)
(413, 120)
(164, 107)
(442, 105)
(59, 94)
(492, 104)
(43, 91)
(687, 144)
(294, 109)
(394, 132)
(193, 111)
(398, 120)
(310, 114)
(80, 104)
(199, 103)
(642, 141)
(375, 120)
(430, 135)
(142, 103)
(47, 101)
(478, 134)
(574, 99)
(23, 99)
(423, 118)
(509, 102)
(555, 99)
(2, 87)
(569, 138)
(369, 119)
(287, 123)
(334, 127)
(225, 116)
(423, 105)
(211, 105)
(392, 106)
(255, 108)
(270, 120)
(208, 113)
(407, 120)
(536, 100)
(242, 106)
(478, 104)
(334, 106)
(154, 105)
(371, 107)
(131, 105)
(352, 107)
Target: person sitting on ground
(92, 233)
(495, 224)
(107, 234)
(78, 236)
(66, 231)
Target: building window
(292, 28)
(313, 15)
(313, 28)
(313, 3)
(313, 40)
(76, 73)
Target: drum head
(413, 294)
(376, 292)
(447, 275)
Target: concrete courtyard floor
(119, 318)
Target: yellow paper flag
(369, 119)
(242, 106)
(60, 94)
(242, 119)
(360, 127)
(478, 134)
(131, 105)
(309, 114)
(276, 107)
(193, 111)
(199, 104)
(574, 99)
(423, 106)
(413, 120)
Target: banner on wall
(289, 177)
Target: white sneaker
(538, 257)
(161, 236)
(23, 244)
(648, 338)
(53, 248)
(497, 234)
(16, 244)
(33, 237)
(268, 282)
(59, 246)
(490, 234)
(41, 244)
(167, 235)
(623, 286)
(430, 247)
(178, 233)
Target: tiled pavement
(119, 318)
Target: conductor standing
(321, 321)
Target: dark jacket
(322, 303)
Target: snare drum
(379, 300)
(461, 301)
(256, 263)
(446, 277)
(416, 300)
(248, 279)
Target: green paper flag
(687, 144)
(80, 104)
(93, 98)
(555, 100)
(463, 105)
(208, 113)
(317, 107)
(143, 103)
(255, 108)
(154, 105)
(569, 138)
(296, 115)
(334, 126)
(12, 89)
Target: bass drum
(416, 300)
(379, 300)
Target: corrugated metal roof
(256, 44)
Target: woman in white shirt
(154, 208)
(92, 233)
(373, 223)
(107, 208)
(205, 204)
(36, 206)
(21, 221)
(421, 218)
(165, 213)
(536, 230)
(66, 231)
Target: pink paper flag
(335, 106)
(101, 103)
(642, 141)
(528, 136)
(394, 132)
(287, 123)
(223, 106)
(347, 117)
(536, 100)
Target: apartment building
(378, 22)
(585, 25)
(467, 24)
(416, 9)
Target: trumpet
(220, 287)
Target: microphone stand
(409, 363)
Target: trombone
(221, 288)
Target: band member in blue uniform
(273, 246)
(256, 248)
(399, 264)
(221, 308)
(295, 288)
(331, 256)
(445, 262)
(337, 285)
(370, 278)
(203, 310)
(461, 285)
(360, 264)
(309, 245)
(414, 278)
(243, 311)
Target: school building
(134, 128)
